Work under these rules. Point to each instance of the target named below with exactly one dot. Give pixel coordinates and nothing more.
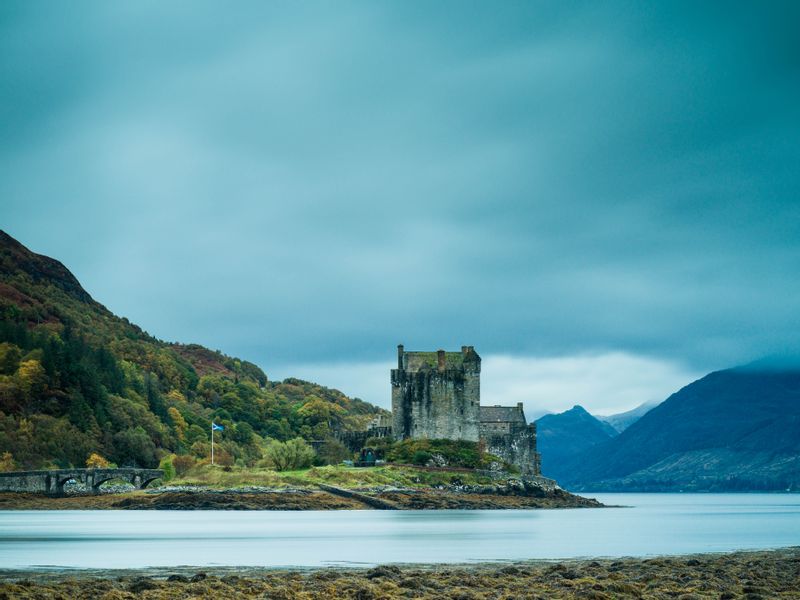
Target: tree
(243, 434)
(166, 465)
(9, 358)
(178, 422)
(288, 456)
(95, 461)
(134, 448)
(7, 462)
(32, 378)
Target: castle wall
(516, 446)
(434, 405)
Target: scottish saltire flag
(215, 427)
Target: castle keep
(437, 395)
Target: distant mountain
(76, 379)
(737, 429)
(621, 421)
(563, 436)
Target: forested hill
(75, 379)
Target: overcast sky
(602, 198)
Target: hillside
(737, 429)
(75, 379)
(562, 436)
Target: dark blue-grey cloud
(317, 182)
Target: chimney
(440, 358)
(464, 350)
(400, 356)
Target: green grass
(341, 476)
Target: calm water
(655, 524)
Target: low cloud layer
(604, 384)
(312, 184)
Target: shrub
(167, 466)
(454, 453)
(7, 462)
(183, 463)
(223, 458)
(421, 457)
(95, 461)
(332, 452)
(288, 456)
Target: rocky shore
(513, 493)
(750, 575)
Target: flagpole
(212, 442)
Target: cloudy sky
(602, 198)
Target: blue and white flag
(215, 427)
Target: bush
(7, 462)
(469, 455)
(421, 457)
(288, 456)
(183, 463)
(95, 461)
(168, 467)
(332, 452)
(223, 458)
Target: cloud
(311, 185)
(604, 384)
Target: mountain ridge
(561, 436)
(722, 431)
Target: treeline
(63, 398)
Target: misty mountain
(621, 421)
(737, 429)
(563, 436)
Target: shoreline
(319, 498)
(750, 574)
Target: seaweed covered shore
(750, 575)
(325, 497)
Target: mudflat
(751, 575)
(305, 499)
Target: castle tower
(436, 394)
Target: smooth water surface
(653, 524)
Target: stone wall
(517, 447)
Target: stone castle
(437, 395)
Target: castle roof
(502, 414)
(420, 361)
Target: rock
(510, 570)
(140, 584)
(198, 577)
(437, 460)
(387, 571)
(178, 578)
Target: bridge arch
(59, 480)
(148, 480)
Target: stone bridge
(52, 482)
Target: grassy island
(391, 487)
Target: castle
(437, 395)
